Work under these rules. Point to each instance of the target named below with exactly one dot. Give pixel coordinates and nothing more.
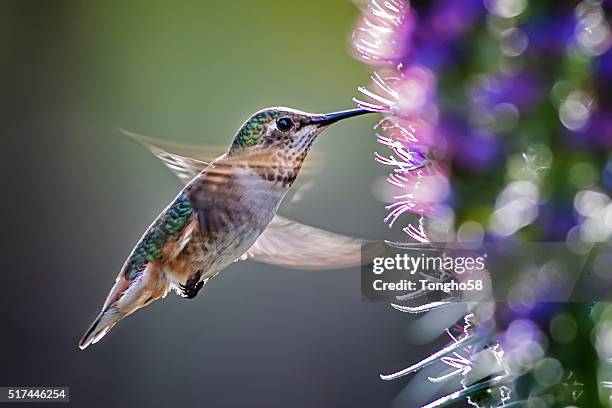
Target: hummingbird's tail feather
(102, 325)
(126, 297)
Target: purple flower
(382, 34)
(417, 184)
(407, 93)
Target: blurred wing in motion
(187, 161)
(293, 245)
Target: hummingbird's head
(283, 136)
(284, 129)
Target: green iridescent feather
(250, 132)
(167, 227)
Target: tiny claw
(191, 290)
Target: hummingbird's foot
(192, 286)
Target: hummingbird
(226, 212)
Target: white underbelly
(233, 247)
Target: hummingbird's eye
(284, 124)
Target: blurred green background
(77, 195)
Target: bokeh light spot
(548, 372)
(563, 328)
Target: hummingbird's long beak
(329, 118)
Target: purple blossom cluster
(501, 110)
(457, 79)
